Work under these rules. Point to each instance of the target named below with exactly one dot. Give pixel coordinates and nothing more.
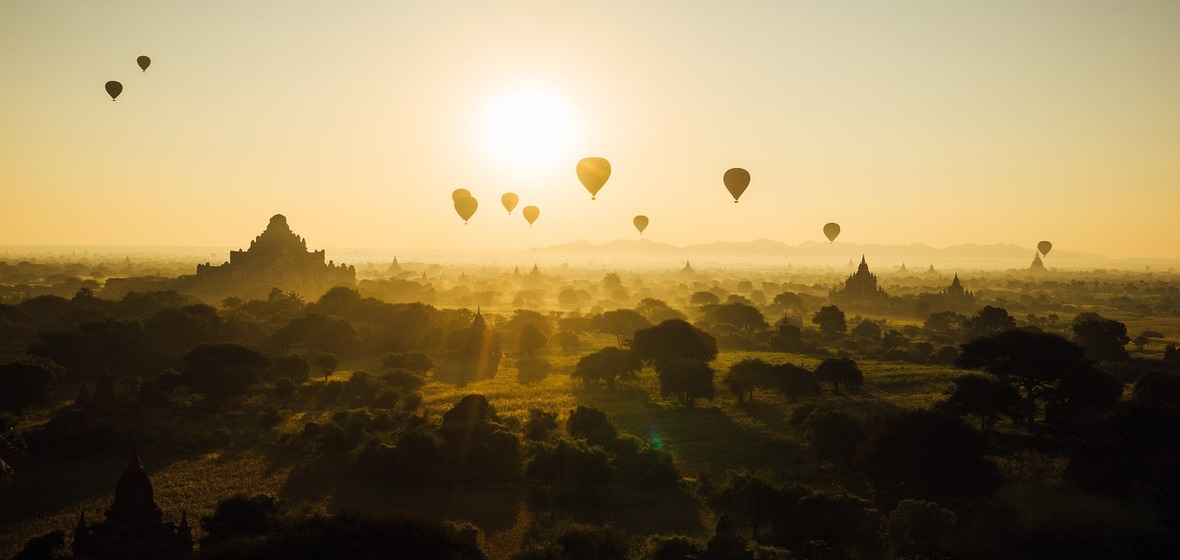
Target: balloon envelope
(831, 229)
(143, 62)
(593, 173)
(640, 223)
(736, 181)
(460, 193)
(531, 213)
(509, 200)
(1044, 247)
(114, 89)
(466, 207)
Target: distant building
(687, 268)
(1037, 265)
(276, 259)
(102, 410)
(957, 297)
(860, 289)
(394, 269)
(134, 528)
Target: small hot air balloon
(143, 62)
(1044, 247)
(640, 223)
(114, 89)
(531, 213)
(509, 200)
(593, 173)
(736, 181)
(831, 229)
(460, 193)
(466, 207)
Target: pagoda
(134, 528)
(277, 258)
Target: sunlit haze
(907, 122)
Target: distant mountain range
(916, 256)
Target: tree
(985, 397)
(1045, 367)
(221, 369)
(608, 365)
(833, 436)
(869, 329)
(704, 298)
(837, 371)
(741, 316)
(795, 381)
(417, 362)
(671, 340)
(293, 367)
(320, 332)
(327, 364)
(687, 379)
(26, 383)
(531, 340)
(240, 516)
(178, 329)
(927, 455)
(918, 530)
(657, 311)
(830, 320)
(988, 321)
(749, 374)
(572, 467)
(1104, 340)
(789, 300)
(620, 322)
(593, 426)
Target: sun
(528, 128)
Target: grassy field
(709, 438)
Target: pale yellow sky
(939, 122)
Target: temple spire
(136, 464)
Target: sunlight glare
(528, 128)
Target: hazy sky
(937, 122)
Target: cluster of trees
(678, 352)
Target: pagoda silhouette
(135, 527)
(277, 258)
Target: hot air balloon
(460, 193)
(531, 213)
(593, 173)
(466, 207)
(114, 89)
(509, 200)
(736, 181)
(640, 223)
(143, 62)
(831, 229)
(1044, 247)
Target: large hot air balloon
(831, 229)
(593, 173)
(466, 207)
(114, 89)
(531, 213)
(736, 181)
(509, 200)
(143, 62)
(1044, 247)
(460, 193)
(640, 223)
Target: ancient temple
(860, 288)
(1037, 265)
(277, 258)
(103, 409)
(957, 297)
(134, 528)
